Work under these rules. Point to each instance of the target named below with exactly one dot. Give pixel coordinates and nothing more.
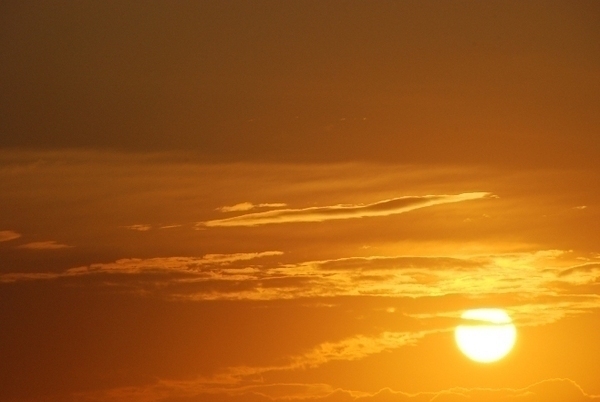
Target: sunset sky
(296, 200)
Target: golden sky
(296, 201)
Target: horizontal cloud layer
(208, 266)
(555, 389)
(318, 214)
(240, 276)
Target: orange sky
(271, 201)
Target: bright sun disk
(486, 335)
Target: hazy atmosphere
(298, 201)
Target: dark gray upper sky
(394, 81)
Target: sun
(486, 335)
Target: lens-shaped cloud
(319, 214)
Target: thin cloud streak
(319, 214)
(139, 227)
(44, 245)
(7, 235)
(170, 226)
(246, 206)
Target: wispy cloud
(209, 266)
(44, 245)
(139, 227)
(349, 349)
(241, 380)
(6, 235)
(590, 270)
(354, 348)
(555, 389)
(318, 214)
(246, 206)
